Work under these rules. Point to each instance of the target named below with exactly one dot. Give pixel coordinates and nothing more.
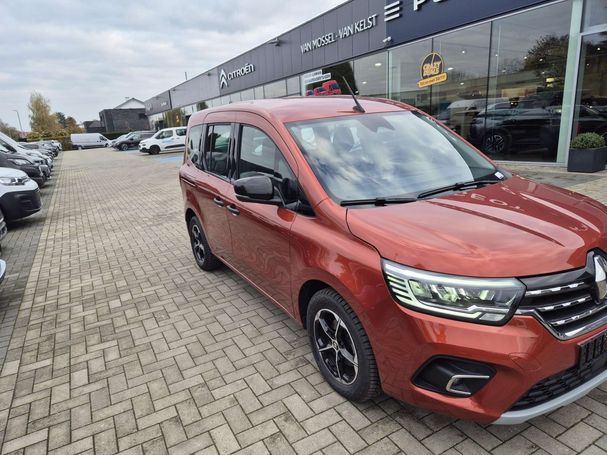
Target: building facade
(128, 116)
(518, 78)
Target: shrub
(588, 141)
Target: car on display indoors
(501, 130)
(131, 140)
(88, 140)
(165, 140)
(19, 195)
(23, 163)
(416, 264)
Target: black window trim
(230, 148)
(198, 163)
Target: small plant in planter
(587, 153)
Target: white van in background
(89, 140)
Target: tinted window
(218, 148)
(260, 156)
(181, 131)
(193, 148)
(164, 134)
(386, 155)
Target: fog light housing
(452, 376)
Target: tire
(201, 250)
(79, 147)
(124, 147)
(341, 347)
(154, 150)
(496, 142)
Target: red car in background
(418, 267)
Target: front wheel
(124, 147)
(496, 142)
(205, 259)
(154, 150)
(341, 347)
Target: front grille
(566, 302)
(555, 386)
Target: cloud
(88, 56)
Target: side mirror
(258, 188)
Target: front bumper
(522, 352)
(20, 204)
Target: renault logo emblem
(600, 278)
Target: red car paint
(515, 228)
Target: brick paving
(120, 343)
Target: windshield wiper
(458, 186)
(379, 201)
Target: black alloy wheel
(205, 259)
(124, 147)
(341, 347)
(496, 142)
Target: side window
(218, 149)
(181, 131)
(260, 156)
(193, 148)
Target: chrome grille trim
(569, 303)
(540, 292)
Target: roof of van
(297, 109)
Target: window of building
(276, 89)
(370, 74)
(595, 13)
(293, 87)
(193, 149)
(329, 80)
(259, 93)
(405, 63)
(528, 60)
(217, 149)
(247, 95)
(259, 155)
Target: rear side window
(193, 146)
(218, 149)
(181, 131)
(259, 155)
(164, 134)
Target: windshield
(386, 155)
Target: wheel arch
(306, 292)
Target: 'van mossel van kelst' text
(343, 32)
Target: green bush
(588, 141)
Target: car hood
(513, 228)
(11, 172)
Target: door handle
(218, 202)
(233, 210)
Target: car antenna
(357, 107)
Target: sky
(86, 56)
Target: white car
(168, 139)
(19, 195)
(15, 147)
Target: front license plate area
(594, 352)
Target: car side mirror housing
(258, 189)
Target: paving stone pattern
(121, 344)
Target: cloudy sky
(85, 56)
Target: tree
(71, 125)
(41, 119)
(547, 58)
(61, 119)
(9, 130)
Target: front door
(261, 233)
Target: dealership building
(518, 78)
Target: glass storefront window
(404, 73)
(459, 99)
(590, 113)
(293, 87)
(276, 89)
(526, 81)
(329, 81)
(259, 93)
(595, 13)
(247, 95)
(370, 75)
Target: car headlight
(482, 300)
(12, 181)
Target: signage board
(432, 70)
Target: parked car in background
(88, 140)
(418, 267)
(168, 139)
(14, 147)
(19, 195)
(23, 163)
(131, 140)
(53, 146)
(331, 87)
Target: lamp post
(19, 118)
